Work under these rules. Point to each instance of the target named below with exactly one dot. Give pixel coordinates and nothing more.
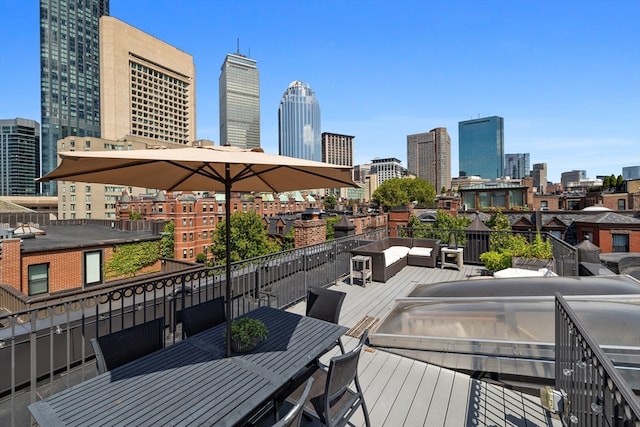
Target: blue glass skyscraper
(481, 147)
(299, 133)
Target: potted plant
(247, 333)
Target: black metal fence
(49, 344)
(596, 393)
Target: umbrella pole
(227, 198)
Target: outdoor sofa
(392, 254)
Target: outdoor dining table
(192, 382)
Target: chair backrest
(325, 304)
(343, 370)
(203, 316)
(293, 418)
(128, 344)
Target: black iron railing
(595, 392)
(49, 343)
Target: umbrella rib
(245, 175)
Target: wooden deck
(400, 391)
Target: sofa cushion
(394, 253)
(419, 251)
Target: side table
(360, 269)
(455, 257)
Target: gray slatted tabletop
(192, 382)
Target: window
(620, 242)
(184, 237)
(92, 268)
(621, 204)
(184, 254)
(587, 235)
(38, 279)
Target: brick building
(196, 215)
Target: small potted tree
(246, 334)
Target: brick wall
(310, 232)
(10, 263)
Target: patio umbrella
(214, 168)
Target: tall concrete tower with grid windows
(429, 157)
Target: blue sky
(565, 75)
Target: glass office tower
(481, 147)
(516, 165)
(299, 123)
(239, 89)
(69, 75)
(19, 157)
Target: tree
(329, 202)
(619, 183)
(135, 216)
(168, 240)
(331, 221)
(249, 238)
(396, 192)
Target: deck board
(400, 391)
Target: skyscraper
(540, 177)
(239, 91)
(516, 165)
(429, 157)
(147, 86)
(387, 168)
(19, 157)
(299, 123)
(147, 99)
(337, 149)
(481, 147)
(69, 74)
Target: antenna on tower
(238, 45)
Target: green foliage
(500, 224)
(329, 202)
(249, 238)
(541, 249)
(246, 329)
(167, 242)
(331, 221)
(516, 246)
(396, 192)
(496, 261)
(447, 224)
(135, 216)
(201, 258)
(289, 239)
(128, 259)
(418, 229)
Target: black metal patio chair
(325, 304)
(203, 316)
(128, 344)
(293, 418)
(332, 399)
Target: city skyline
(562, 74)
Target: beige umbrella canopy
(200, 169)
